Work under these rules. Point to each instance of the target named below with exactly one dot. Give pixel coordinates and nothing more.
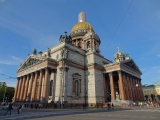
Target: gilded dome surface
(82, 25)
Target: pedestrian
(31, 106)
(46, 106)
(9, 109)
(39, 105)
(19, 108)
(112, 106)
(83, 106)
(108, 105)
(102, 105)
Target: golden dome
(82, 25)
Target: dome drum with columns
(74, 72)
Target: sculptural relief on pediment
(30, 62)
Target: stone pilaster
(63, 90)
(104, 86)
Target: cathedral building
(74, 71)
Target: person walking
(108, 105)
(83, 106)
(112, 106)
(19, 108)
(9, 109)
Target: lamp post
(137, 85)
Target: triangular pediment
(130, 63)
(31, 61)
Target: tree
(158, 97)
(9, 92)
(2, 84)
(146, 96)
(153, 97)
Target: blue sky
(29, 24)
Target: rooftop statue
(65, 38)
(34, 51)
(126, 55)
(49, 52)
(117, 56)
(64, 53)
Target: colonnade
(33, 86)
(130, 87)
(133, 87)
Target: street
(79, 114)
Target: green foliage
(158, 97)
(146, 96)
(9, 93)
(2, 84)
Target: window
(76, 84)
(77, 90)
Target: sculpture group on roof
(65, 38)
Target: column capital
(104, 74)
(66, 69)
(47, 68)
(28, 75)
(119, 71)
(110, 74)
(54, 70)
(61, 68)
(31, 74)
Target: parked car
(5, 107)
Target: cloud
(11, 61)
(158, 15)
(158, 55)
(37, 37)
(2, 0)
(17, 59)
(7, 62)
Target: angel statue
(34, 52)
(126, 55)
(49, 52)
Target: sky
(29, 24)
